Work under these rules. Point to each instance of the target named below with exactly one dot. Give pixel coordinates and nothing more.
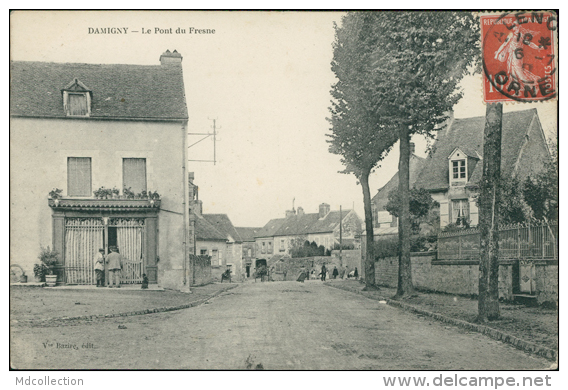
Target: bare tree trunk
(369, 253)
(405, 286)
(488, 303)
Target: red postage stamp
(519, 58)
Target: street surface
(279, 325)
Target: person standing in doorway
(114, 261)
(100, 268)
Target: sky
(265, 78)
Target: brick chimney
(301, 211)
(290, 213)
(323, 210)
(169, 57)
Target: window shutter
(78, 104)
(134, 174)
(79, 176)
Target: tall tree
(419, 59)
(488, 301)
(358, 133)
(420, 204)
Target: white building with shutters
(453, 170)
(86, 130)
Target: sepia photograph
(285, 190)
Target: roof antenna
(207, 135)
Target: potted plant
(40, 270)
(104, 193)
(128, 193)
(48, 260)
(55, 194)
(100, 193)
(115, 193)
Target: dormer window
(77, 99)
(458, 169)
(458, 161)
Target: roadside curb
(128, 314)
(495, 334)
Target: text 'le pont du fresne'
(154, 30)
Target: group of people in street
(342, 273)
(114, 263)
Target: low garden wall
(462, 277)
(289, 268)
(350, 258)
(201, 270)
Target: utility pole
(340, 237)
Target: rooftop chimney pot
(169, 57)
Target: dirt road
(280, 325)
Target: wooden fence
(522, 241)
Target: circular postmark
(518, 56)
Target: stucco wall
(260, 254)
(235, 258)
(38, 154)
(220, 246)
(325, 239)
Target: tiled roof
(297, 224)
(270, 228)
(247, 233)
(302, 224)
(467, 134)
(118, 91)
(381, 198)
(205, 231)
(329, 222)
(223, 224)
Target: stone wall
(289, 268)
(462, 278)
(201, 270)
(546, 282)
(350, 258)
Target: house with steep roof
(209, 241)
(323, 228)
(247, 235)
(233, 251)
(265, 237)
(83, 129)
(453, 170)
(215, 236)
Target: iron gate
(83, 239)
(130, 238)
(85, 236)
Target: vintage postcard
(284, 190)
